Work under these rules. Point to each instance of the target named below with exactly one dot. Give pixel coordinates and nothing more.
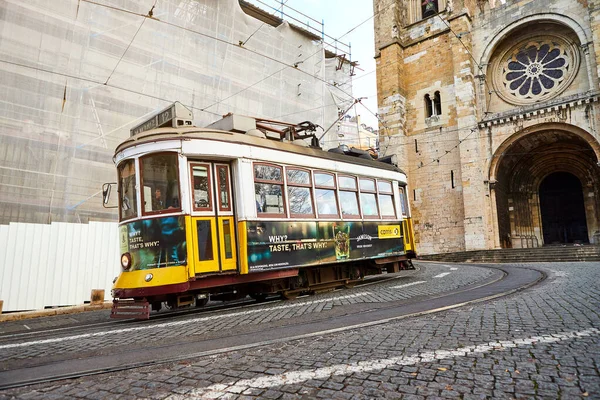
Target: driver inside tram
(157, 201)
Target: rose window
(536, 70)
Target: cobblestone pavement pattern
(422, 284)
(543, 342)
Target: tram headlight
(148, 277)
(126, 261)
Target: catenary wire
(149, 15)
(228, 43)
(146, 16)
(258, 29)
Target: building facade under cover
(76, 75)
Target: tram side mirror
(106, 191)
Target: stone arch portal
(545, 182)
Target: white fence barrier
(57, 264)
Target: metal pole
(340, 116)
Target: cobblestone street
(543, 342)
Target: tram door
(213, 233)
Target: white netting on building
(76, 75)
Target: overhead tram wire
(295, 65)
(469, 53)
(262, 80)
(437, 160)
(242, 43)
(476, 63)
(149, 15)
(473, 129)
(99, 83)
(146, 16)
(368, 19)
(244, 48)
(340, 116)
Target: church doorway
(545, 185)
(562, 209)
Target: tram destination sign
(174, 115)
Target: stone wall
(457, 202)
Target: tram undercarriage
(294, 282)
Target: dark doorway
(562, 208)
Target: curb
(17, 316)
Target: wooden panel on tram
(227, 243)
(204, 243)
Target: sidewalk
(17, 316)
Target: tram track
(511, 281)
(174, 314)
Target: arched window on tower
(433, 107)
(437, 103)
(428, 106)
(429, 8)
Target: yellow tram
(248, 207)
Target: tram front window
(160, 182)
(127, 195)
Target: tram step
(130, 309)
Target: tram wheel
(289, 294)
(201, 302)
(170, 304)
(156, 306)
(259, 297)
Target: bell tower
(493, 118)
(426, 81)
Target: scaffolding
(76, 75)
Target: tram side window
(386, 199)
(325, 195)
(268, 189)
(402, 201)
(160, 180)
(368, 198)
(127, 193)
(348, 196)
(299, 192)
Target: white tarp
(75, 75)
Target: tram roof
(165, 134)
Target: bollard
(97, 296)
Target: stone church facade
(492, 109)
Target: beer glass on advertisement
(341, 237)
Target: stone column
(476, 207)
